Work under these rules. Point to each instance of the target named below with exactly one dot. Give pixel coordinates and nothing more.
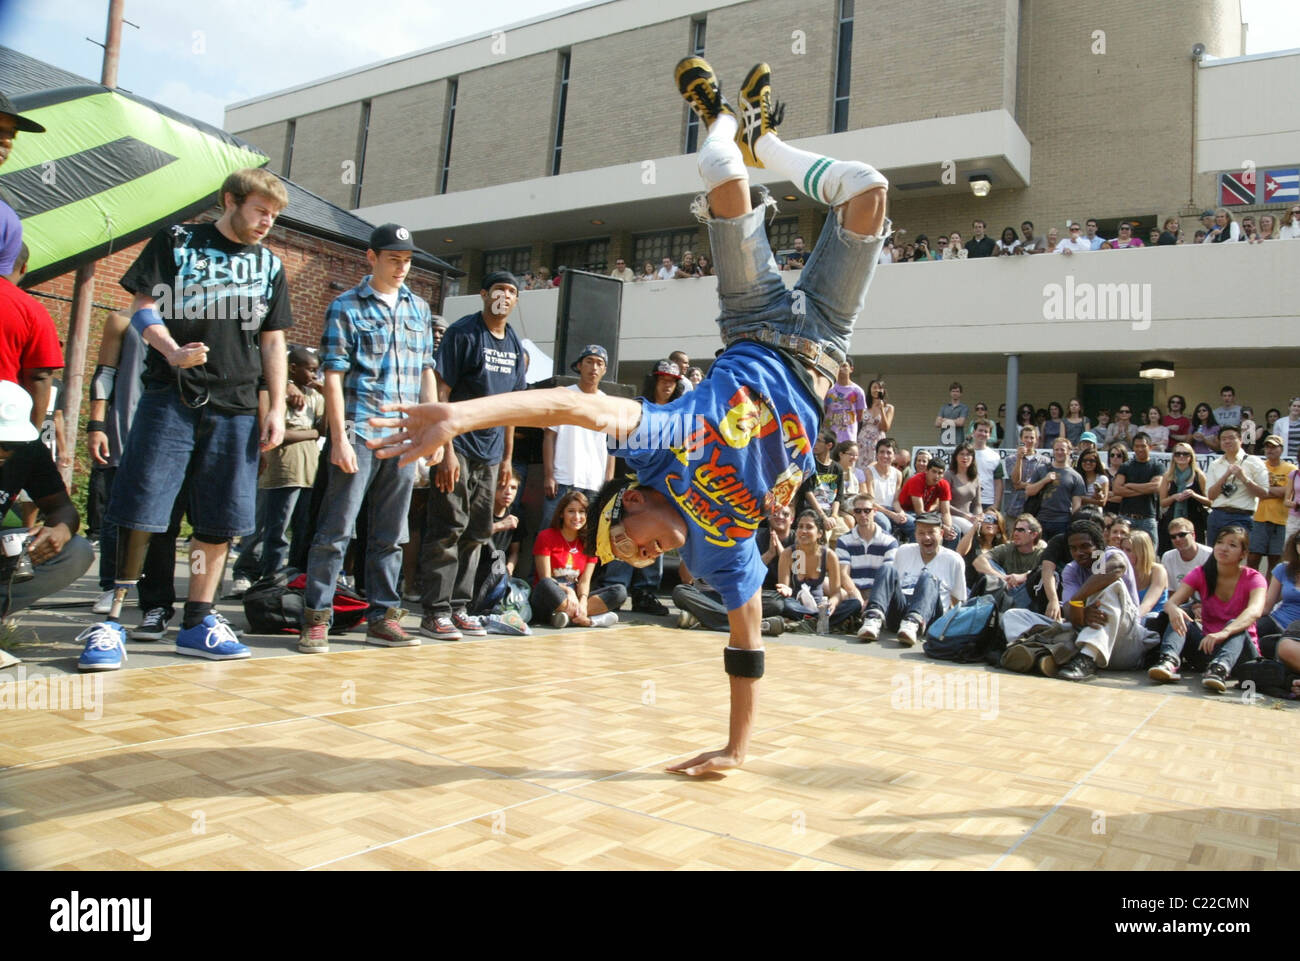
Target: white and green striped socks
(828, 181)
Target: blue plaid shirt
(383, 353)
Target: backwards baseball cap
(391, 237)
(666, 368)
(15, 415)
(591, 350)
(21, 122)
(499, 277)
(609, 533)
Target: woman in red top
(1232, 599)
(562, 572)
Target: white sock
(719, 159)
(607, 619)
(823, 179)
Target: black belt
(1233, 510)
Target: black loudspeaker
(590, 312)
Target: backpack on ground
(964, 632)
(275, 604)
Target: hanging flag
(1236, 189)
(1282, 186)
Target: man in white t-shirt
(1186, 555)
(1291, 230)
(1075, 242)
(925, 579)
(988, 464)
(575, 458)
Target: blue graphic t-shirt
(210, 289)
(724, 453)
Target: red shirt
(567, 558)
(28, 339)
(915, 486)
(1176, 425)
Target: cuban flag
(1282, 186)
(1236, 189)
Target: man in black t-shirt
(1137, 482)
(58, 555)
(979, 245)
(212, 304)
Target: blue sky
(198, 61)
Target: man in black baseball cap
(391, 237)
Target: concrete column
(1013, 400)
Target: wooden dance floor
(549, 752)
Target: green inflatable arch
(111, 169)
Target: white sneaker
(907, 632)
(608, 619)
(239, 586)
(686, 621)
(104, 604)
(871, 626)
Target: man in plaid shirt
(378, 348)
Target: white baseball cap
(16, 414)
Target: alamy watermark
(56, 692)
(1088, 301)
(236, 300)
(929, 690)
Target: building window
(590, 255)
(781, 233)
(289, 134)
(453, 284)
(664, 243)
(843, 67)
(513, 259)
(692, 120)
(559, 113)
(452, 85)
(361, 152)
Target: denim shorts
(824, 303)
(168, 438)
(1267, 538)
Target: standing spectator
(1020, 465)
(964, 481)
(562, 572)
(1229, 414)
(1207, 221)
(1248, 230)
(845, 405)
(1237, 481)
(543, 281)
(1182, 492)
(1180, 427)
(574, 458)
(1225, 229)
(940, 245)
(1075, 423)
(1205, 430)
(291, 468)
(1169, 236)
(11, 228)
(952, 418)
(200, 405)
(480, 356)
(1291, 224)
(1090, 234)
(987, 464)
(796, 259)
(1054, 426)
(1153, 237)
(1186, 554)
(680, 358)
(954, 250)
(1288, 428)
(1250, 435)
(1138, 482)
(1269, 531)
(1154, 429)
(982, 413)
(1059, 487)
(1030, 244)
(1075, 242)
(876, 422)
(979, 245)
(29, 344)
(377, 349)
(622, 271)
(1122, 431)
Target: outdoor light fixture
(791, 197)
(598, 223)
(1156, 369)
(980, 185)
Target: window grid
(781, 233)
(452, 86)
(514, 259)
(664, 243)
(361, 153)
(843, 68)
(559, 118)
(693, 121)
(288, 147)
(590, 255)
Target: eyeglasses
(1181, 453)
(1125, 410)
(1022, 530)
(1074, 226)
(862, 510)
(1179, 535)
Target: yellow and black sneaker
(699, 85)
(759, 113)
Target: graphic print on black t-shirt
(212, 290)
(29, 468)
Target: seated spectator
(1058, 487)
(530, 280)
(886, 481)
(866, 548)
(846, 455)
(1118, 532)
(1074, 242)
(963, 480)
(1096, 483)
(1180, 426)
(1125, 240)
(1225, 229)
(1249, 429)
(1207, 220)
(954, 250)
(1169, 236)
(981, 538)
(1282, 600)
(701, 605)
(647, 272)
(1271, 417)
(1205, 430)
(924, 580)
(1102, 602)
(1153, 237)
(1185, 555)
(559, 275)
(940, 245)
(1087, 443)
(980, 245)
(1226, 625)
(1290, 224)
(823, 488)
(797, 257)
(1151, 578)
(1156, 431)
(912, 466)
(501, 550)
(809, 563)
(562, 572)
(1013, 563)
(1268, 534)
(621, 271)
(57, 554)
(1122, 431)
(1029, 244)
(927, 492)
(1199, 237)
(1137, 482)
(1182, 493)
(1008, 244)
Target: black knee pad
(742, 662)
(132, 546)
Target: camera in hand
(15, 562)
(1229, 488)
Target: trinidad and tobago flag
(1282, 186)
(1236, 189)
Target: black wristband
(96, 425)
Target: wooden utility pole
(83, 293)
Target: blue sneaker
(105, 647)
(212, 639)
